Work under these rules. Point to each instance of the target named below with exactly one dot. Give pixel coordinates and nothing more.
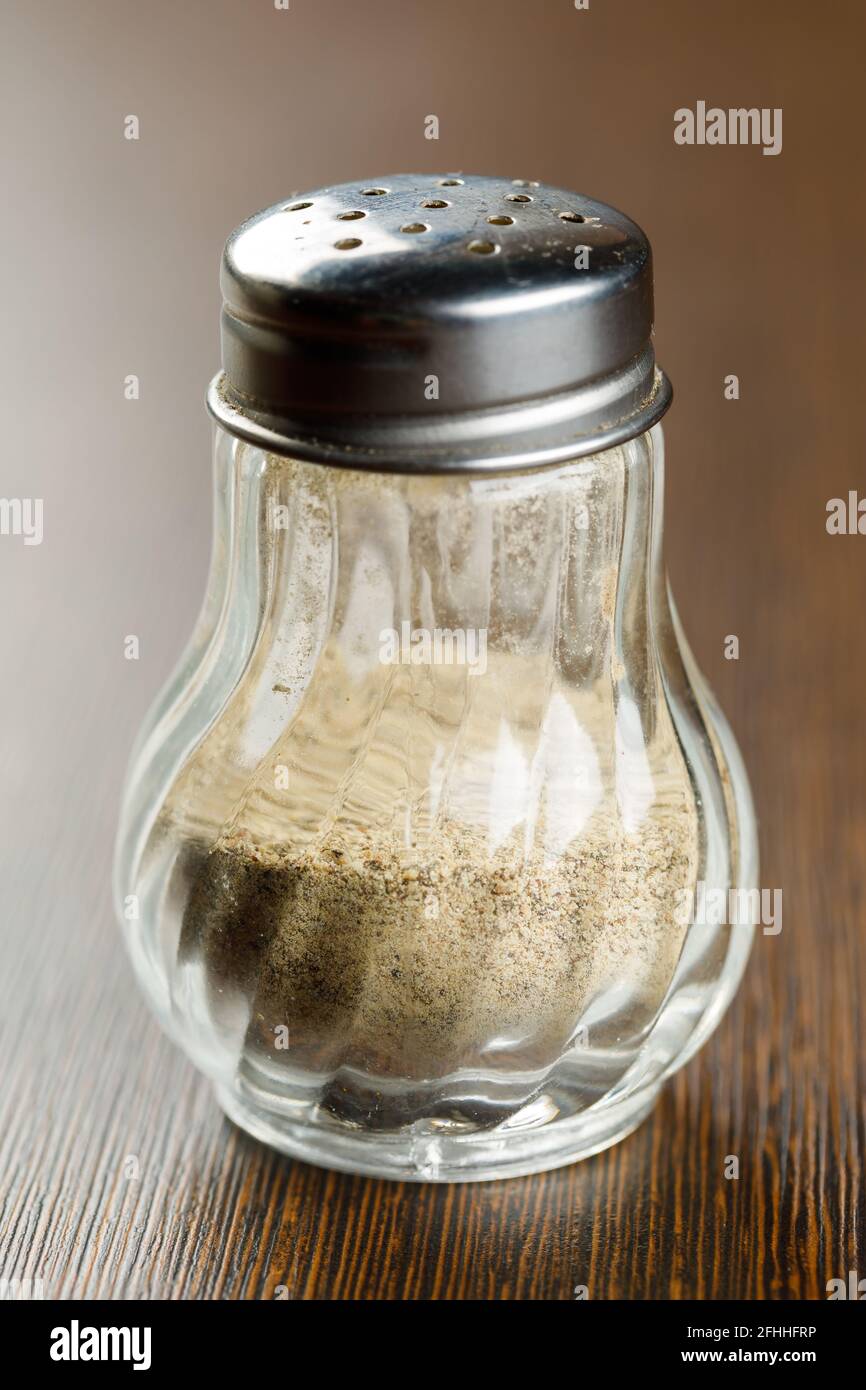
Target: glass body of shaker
(416, 832)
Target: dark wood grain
(759, 272)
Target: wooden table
(119, 1175)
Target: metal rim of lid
(324, 349)
(404, 450)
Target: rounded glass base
(427, 1152)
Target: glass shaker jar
(411, 842)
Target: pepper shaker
(416, 832)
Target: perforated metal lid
(438, 323)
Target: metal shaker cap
(438, 323)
